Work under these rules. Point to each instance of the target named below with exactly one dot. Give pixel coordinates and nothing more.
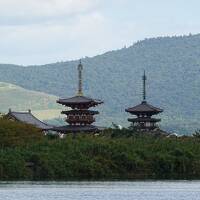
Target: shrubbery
(26, 154)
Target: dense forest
(172, 65)
(26, 154)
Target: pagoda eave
(144, 108)
(144, 120)
(79, 105)
(85, 112)
(148, 113)
(77, 129)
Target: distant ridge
(171, 63)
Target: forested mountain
(172, 65)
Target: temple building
(144, 113)
(79, 118)
(28, 118)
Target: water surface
(159, 190)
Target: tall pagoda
(79, 117)
(144, 113)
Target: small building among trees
(28, 118)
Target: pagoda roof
(76, 128)
(144, 119)
(29, 118)
(144, 107)
(76, 100)
(80, 111)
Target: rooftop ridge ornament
(144, 86)
(80, 80)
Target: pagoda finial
(80, 69)
(144, 86)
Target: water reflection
(158, 190)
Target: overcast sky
(45, 31)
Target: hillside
(19, 99)
(172, 65)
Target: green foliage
(26, 154)
(17, 134)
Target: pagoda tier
(146, 123)
(80, 115)
(80, 118)
(144, 119)
(85, 112)
(79, 102)
(144, 113)
(144, 109)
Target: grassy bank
(25, 154)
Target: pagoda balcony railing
(145, 126)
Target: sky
(48, 31)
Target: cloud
(13, 12)
(38, 43)
(44, 31)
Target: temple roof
(79, 100)
(77, 128)
(144, 107)
(28, 118)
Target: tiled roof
(76, 128)
(144, 120)
(79, 100)
(144, 107)
(28, 118)
(92, 112)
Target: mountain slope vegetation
(20, 99)
(172, 65)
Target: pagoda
(79, 117)
(144, 113)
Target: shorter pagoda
(144, 113)
(79, 118)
